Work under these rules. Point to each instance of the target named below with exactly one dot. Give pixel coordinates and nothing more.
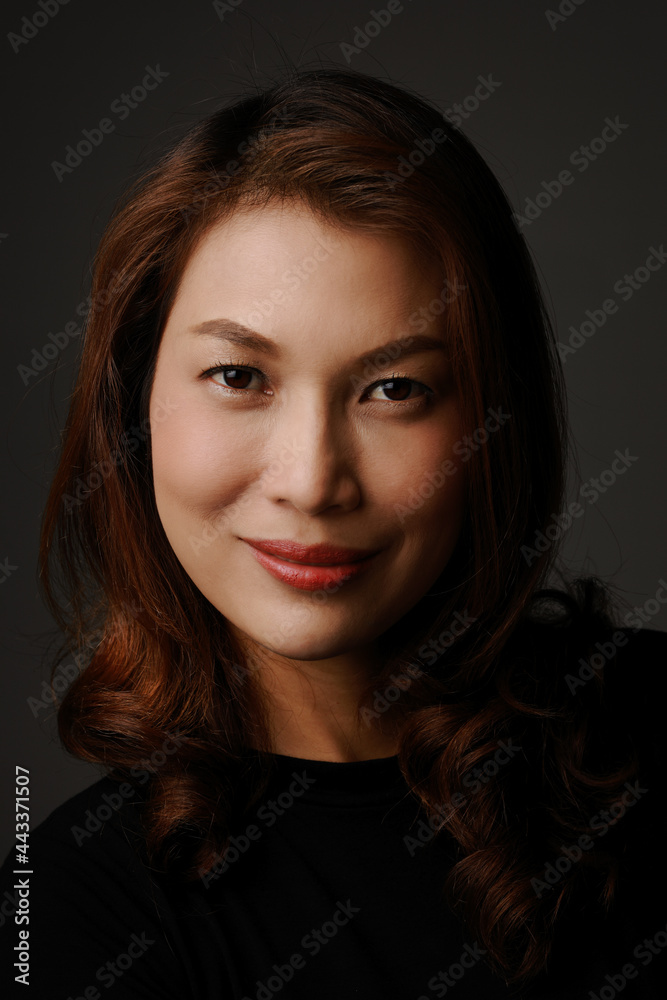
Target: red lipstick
(309, 567)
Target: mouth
(313, 567)
(323, 554)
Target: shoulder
(107, 809)
(631, 664)
(88, 902)
(616, 678)
(98, 827)
(645, 647)
(634, 663)
(85, 853)
(631, 661)
(610, 685)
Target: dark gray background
(557, 87)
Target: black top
(332, 890)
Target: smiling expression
(290, 422)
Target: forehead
(285, 272)
(262, 243)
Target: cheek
(430, 480)
(198, 467)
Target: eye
(229, 376)
(402, 385)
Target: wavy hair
(157, 657)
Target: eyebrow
(237, 333)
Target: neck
(312, 707)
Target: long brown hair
(364, 154)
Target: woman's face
(284, 424)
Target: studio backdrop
(565, 103)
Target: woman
(302, 516)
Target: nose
(312, 460)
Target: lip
(310, 575)
(323, 554)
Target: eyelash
(421, 400)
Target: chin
(304, 642)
